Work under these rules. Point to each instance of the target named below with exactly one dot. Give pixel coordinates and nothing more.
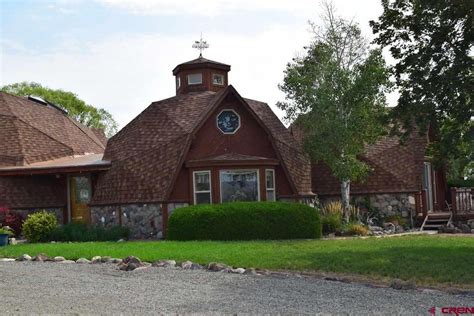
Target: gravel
(36, 287)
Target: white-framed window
(239, 185)
(202, 187)
(218, 79)
(178, 82)
(194, 78)
(270, 184)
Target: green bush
(82, 232)
(244, 221)
(331, 223)
(461, 183)
(38, 226)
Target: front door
(81, 193)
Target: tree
(335, 94)
(76, 108)
(431, 42)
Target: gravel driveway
(101, 289)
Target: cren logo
(453, 310)
(432, 310)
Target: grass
(427, 260)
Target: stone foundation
(389, 204)
(56, 210)
(143, 220)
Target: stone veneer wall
(56, 210)
(143, 220)
(388, 204)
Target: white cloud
(124, 74)
(206, 7)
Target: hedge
(244, 221)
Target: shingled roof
(32, 132)
(147, 154)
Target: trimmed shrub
(82, 232)
(331, 223)
(244, 221)
(38, 226)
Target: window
(178, 82)
(270, 184)
(218, 79)
(194, 79)
(228, 121)
(202, 187)
(239, 185)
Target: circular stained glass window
(228, 121)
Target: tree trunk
(345, 196)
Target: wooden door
(81, 194)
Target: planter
(4, 239)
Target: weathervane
(201, 45)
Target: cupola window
(218, 79)
(194, 79)
(178, 82)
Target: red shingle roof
(31, 132)
(147, 154)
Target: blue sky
(118, 54)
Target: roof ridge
(82, 127)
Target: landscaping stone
(7, 260)
(215, 266)
(402, 285)
(58, 259)
(105, 259)
(67, 261)
(375, 228)
(186, 265)
(82, 260)
(465, 228)
(96, 259)
(164, 263)
(238, 270)
(471, 223)
(41, 258)
(115, 260)
(24, 257)
(131, 263)
(250, 271)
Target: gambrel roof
(148, 153)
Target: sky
(119, 54)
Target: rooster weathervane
(201, 45)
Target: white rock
(7, 260)
(238, 270)
(67, 261)
(24, 257)
(58, 259)
(82, 260)
(96, 259)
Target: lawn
(428, 260)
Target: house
(207, 144)
(47, 160)
(402, 180)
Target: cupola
(201, 74)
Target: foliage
(335, 94)
(432, 42)
(38, 226)
(332, 208)
(76, 108)
(355, 229)
(426, 259)
(331, 223)
(468, 183)
(5, 230)
(15, 222)
(82, 232)
(244, 221)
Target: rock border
(132, 263)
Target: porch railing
(462, 200)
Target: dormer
(201, 74)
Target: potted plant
(5, 232)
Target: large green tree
(335, 94)
(76, 108)
(432, 43)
